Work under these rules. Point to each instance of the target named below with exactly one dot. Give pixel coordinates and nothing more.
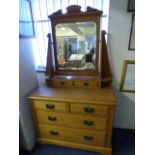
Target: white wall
(27, 82)
(117, 41)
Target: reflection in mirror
(76, 45)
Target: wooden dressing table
(76, 106)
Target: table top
(91, 95)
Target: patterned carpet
(123, 143)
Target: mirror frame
(74, 14)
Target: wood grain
(70, 120)
(43, 105)
(102, 150)
(98, 109)
(72, 135)
(80, 95)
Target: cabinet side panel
(110, 125)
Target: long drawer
(89, 109)
(72, 135)
(50, 105)
(70, 120)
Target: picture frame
(131, 45)
(26, 25)
(127, 83)
(131, 6)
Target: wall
(27, 82)
(117, 41)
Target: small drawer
(72, 135)
(89, 109)
(84, 83)
(62, 83)
(50, 105)
(73, 121)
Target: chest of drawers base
(102, 150)
(64, 118)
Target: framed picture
(131, 6)
(127, 83)
(132, 35)
(26, 26)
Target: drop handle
(50, 106)
(88, 138)
(86, 84)
(62, 82)
(52, 118)
(89, 110)
(54, 133)
(88, 123)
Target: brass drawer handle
(50, 106)
(86, 84)
(52, 118)
(88, 138)
(88, 123)
(54, 133)
(62, 82)
(89, 110)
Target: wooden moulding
(75, 10)
(98, 97)
(102, 150)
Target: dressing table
(76, 106)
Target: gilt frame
(127, 83)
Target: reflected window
(76, 45)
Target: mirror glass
(76, 45)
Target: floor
(123, 143)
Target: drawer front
(74, 121)
(62, 83)
(89, 109)
(50, 105)
(84, 83)
(72, 135)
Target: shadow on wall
(27, 83)
(125, 110)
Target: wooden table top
(91, 95)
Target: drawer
(85, 83)
(50, 105)
(89, 109)
(62, 83)
(69, 120)
(72, 135)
